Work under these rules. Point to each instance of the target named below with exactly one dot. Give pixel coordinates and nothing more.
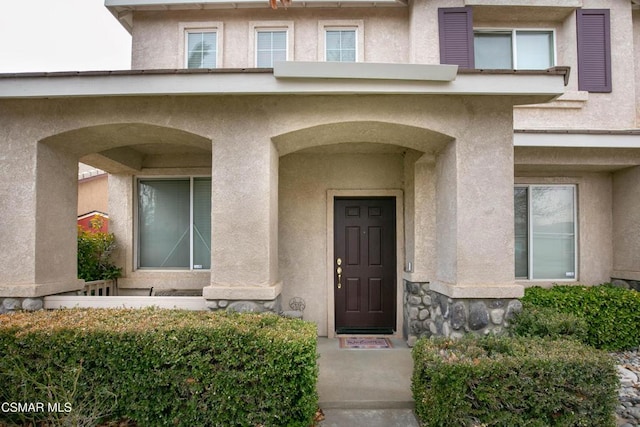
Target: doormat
(365, 342)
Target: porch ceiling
(131, 147)
(561, 161)
(365, 136)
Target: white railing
(101, 288)
(82, 301)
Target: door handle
(339, 272)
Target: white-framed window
(200, 44)
(340, 44)
(545, 232)
(341, 40)
(271, 41)
(271, 46)
(522, 49)
(174, 223)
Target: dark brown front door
(365, 264)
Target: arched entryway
(356, 160)
(116, 148)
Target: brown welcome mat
(365, 342)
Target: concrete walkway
(365, 387)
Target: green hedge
(612, 314)
(159, 367)
(499, 381)
(547, 322)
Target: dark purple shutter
(594, 50)
(456, 36)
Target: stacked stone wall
(428, 313)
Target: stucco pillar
(475, 241)
(421, 225)
(626, 224)
(244, 210)
(38, 233)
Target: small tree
(94, 253)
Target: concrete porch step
(364, 379)
(365, 387)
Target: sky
(61, 35)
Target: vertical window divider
(529, 233)
(191, 223)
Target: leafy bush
(160, 367)
(94, 254)
(500, 381)
(612, 314)
(547, 322)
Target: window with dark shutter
(456, 36)
(594, 50)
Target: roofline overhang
(577, 138)
(123, 9)
(288, 79)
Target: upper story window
(202, 48)
(514, 49)
(200, 44)
(271, 46)
(341, 45)
(341, 40)
(461, 45)
(270, 41)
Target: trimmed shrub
(612, 314)
(500, 381)
(160, 367)
(94, 254)
(547, 322)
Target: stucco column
(39, 235)
(244, 210)
(420, 226)
(475, 240)
(626, 224)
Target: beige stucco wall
(626, 223)
(583, 110)
(93, 194)
(304, 181)
(158, 39)
(410, 35)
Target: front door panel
(365, 264)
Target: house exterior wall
(276, 159)
(93, 194)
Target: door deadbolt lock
(339, 261)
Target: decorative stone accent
(428, 313)
(253, 306)
(8, 305)
(626, 284)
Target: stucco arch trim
(353, 132)
(118, 146)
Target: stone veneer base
(429, 313)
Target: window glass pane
(521, 210)
(202, 223)
(340, 45)
(202, 50)
(553, 229)
(264, 40)
(333, 40)
(493, 50)
(271, 46)
(534, 50)
(279, 40)
(163, 223)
